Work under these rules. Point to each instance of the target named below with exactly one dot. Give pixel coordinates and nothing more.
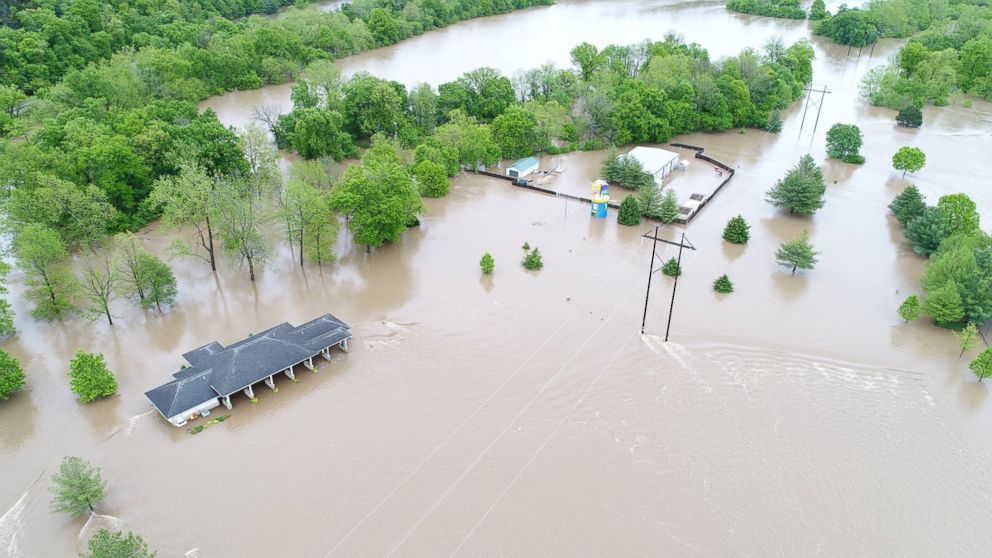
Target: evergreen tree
(649, 200)
(801, 189)
(11, 375)
(908, 205)
(487, 263)
(90, 377)
(818, 10)
(910, 117)
(672, 268)
(797, 254)
(910, 308)
(925, 233)
(967, 338)
(532, 261)
(669, 210)
(77, 486)
(630, 212)
(982, 365)
(944, 305)
(737, 230)
(723, 284)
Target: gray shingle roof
(219, 371)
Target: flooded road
(524, 413)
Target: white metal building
(656, 161)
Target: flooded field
(523, 413)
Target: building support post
(226, 400)
(326, 353)
(270, 382)
(343, 345)
(250, 392)
(308, 363)
(289, 373)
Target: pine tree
(801, 189)
(908, 205)
(944, 305)
(910, 308)
(737, 230)
(723, 284)
(669, 209)
(630, 212)
(532, 261)
(487, 263)
(672, 268)
(982, 365)
(797, 254)
(649, 200)
(925, 232)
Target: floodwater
(524, 413)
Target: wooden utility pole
(684, 243)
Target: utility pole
(817, 104)
(684, 243)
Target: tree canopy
(76, 487)
(908, 159)
(797, 254)
(801, 189)
(11, 375)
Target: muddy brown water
(523, 413)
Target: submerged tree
(982, 365)
(910, 308)
(533, 261)
(843, 142)
(310, 221)
(51, 286)
(723, 285)
(908, 205)
(910, 117)
(669, 209)
(6, 312)
(11, 375)
(797, 254)
(189, 198)
(629, 213)
(908, 159)
(76, 487)
(240, 217)
(99, 280)
(967, 338)
(432, 179)
(961, 214)
(117, 544)
(90, 378)
(737, 230)
(672, 268)
(487, 263)
(944, 305)
(925, 232)
(801, 189)
(160, 282)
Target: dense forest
(786, 9)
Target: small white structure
(656, 161)
(523, 167)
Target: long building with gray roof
(217, 372)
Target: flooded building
(656, 161)
(523, 167)
(217, 372)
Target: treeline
(786, 9)
(618, 95)
(192, 49)
(954, 55)
(902, 18)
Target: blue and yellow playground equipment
(600, 198)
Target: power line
(684, 243)
(818, 104)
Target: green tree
(383, 27)
(76, 487)
(320, 133)
(967, 338)
(843, 142)
(159, 281)
(908, 205)
(910, 308)
(723, 285)
(737, 230)
(671, 268)
(487, 263)
(311, 222)
(472, 141)
(925, 232)
(241, 219)
(107, 544)
(649, 200)
(189, 200)
(908, 159)
(629, 213)
(432, 180)
(80, 214)
(797, 254)
(801, 189)
(533, 261)
(90, 378)
(961, 214)
(6, 312)
(51, 286)
(625, 171)
(372, 105)
(818, 10)
(587, 59)
(99, 281)
(515, 132)
(378, 198)
(910, 117)
(11, 375)
(982, 365)
(944, 305)
(669, 210)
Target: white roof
(653, 159)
